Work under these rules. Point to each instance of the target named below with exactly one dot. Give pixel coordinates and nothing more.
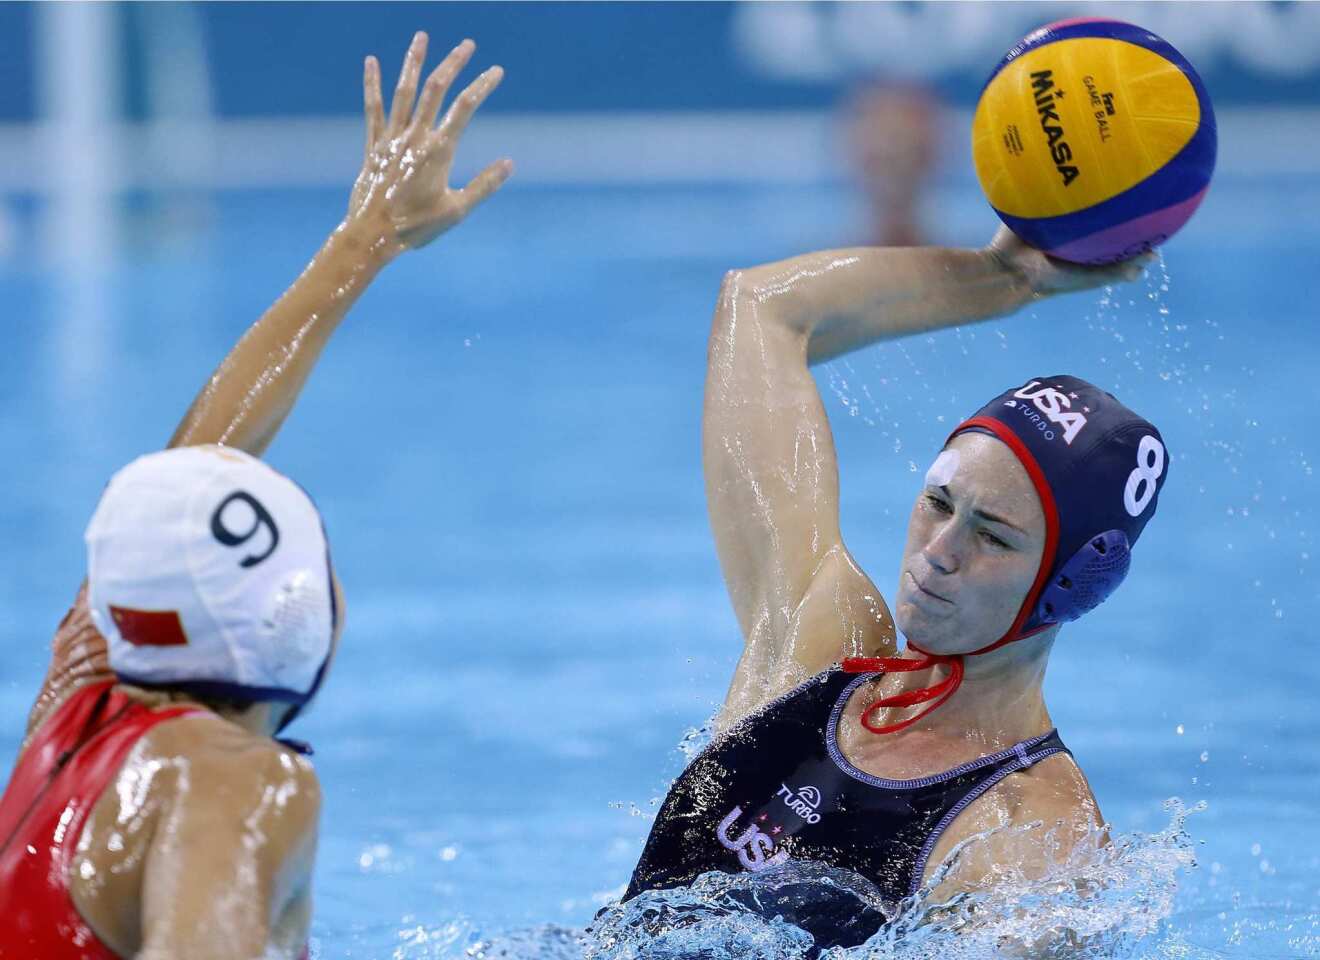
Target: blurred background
(504, 436)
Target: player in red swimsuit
(151, 813)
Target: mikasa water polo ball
(1094, 140)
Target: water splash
(695, 740)
(1115, 897)
(1104, 900)
(1107, 899)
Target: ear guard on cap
(1087, 579)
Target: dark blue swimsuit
(776, 787)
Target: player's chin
(929, 630)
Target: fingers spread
(374, 105)
(486, 182)
(456, 120)
(438, 83)
(406, 90)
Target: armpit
(78, 656)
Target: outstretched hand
(1048, 275)
(404, 181)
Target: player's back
(118, 796)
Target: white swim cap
(209, 571)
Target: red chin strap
(937, 693)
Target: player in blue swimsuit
(833, 746)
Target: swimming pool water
(504, 439)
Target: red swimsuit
(75, 755)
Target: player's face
(974, 547)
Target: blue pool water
(504, 439)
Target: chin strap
(1024, 625)
(937, 692)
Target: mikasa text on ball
(1094, 140)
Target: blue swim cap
(1098, 469)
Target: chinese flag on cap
(149, 628)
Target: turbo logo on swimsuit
(755, 849)
(1054, 405)
(804, 802)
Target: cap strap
(1003, 433)
(937, 692)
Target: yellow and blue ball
(1094, 140)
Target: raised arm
(771, 475)
(401, 200)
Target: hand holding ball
(1094, 140)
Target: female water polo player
(831, 746)
(151, 813)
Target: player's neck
(1000, 699)
(259, 719)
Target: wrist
(1015, 275)
(369, 240)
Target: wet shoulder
(192, 786)
(1051, 789)
(1052, 796)
(804, 707)
(202, 766)
(223, 764)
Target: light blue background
(504, 439)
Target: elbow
(748, 283)
(769, 295)
(744, 291)
(733, 288)
(733, 297)
(753, 311)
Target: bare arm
(401, 200)
(771, 473)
